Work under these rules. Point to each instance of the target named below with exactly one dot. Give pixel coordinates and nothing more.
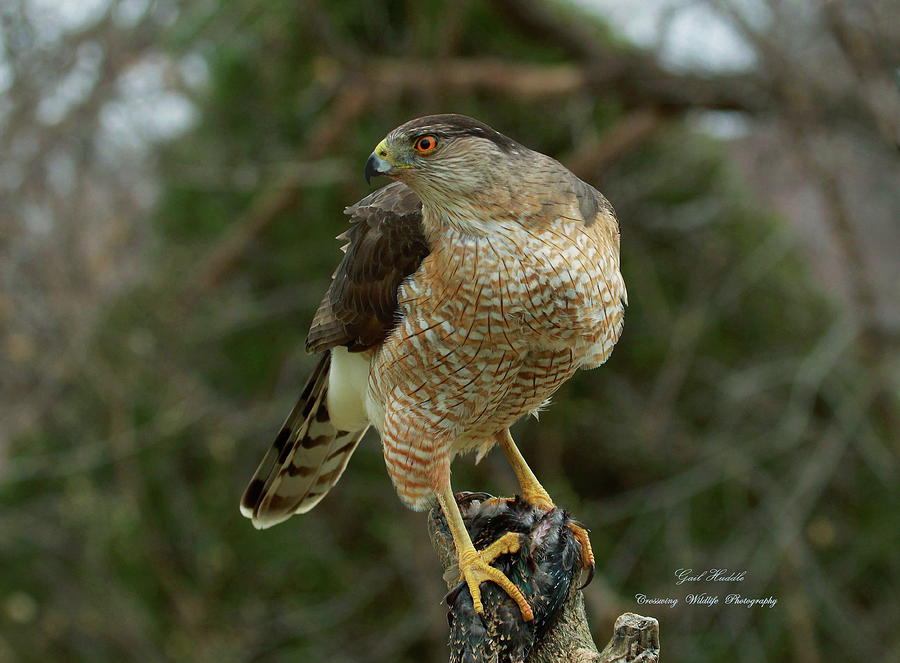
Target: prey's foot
(475, 568)
(587, 553)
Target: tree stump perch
(547, 569)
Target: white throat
(461, 216)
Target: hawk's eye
(426, 144)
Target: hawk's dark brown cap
(452, 125)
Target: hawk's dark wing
(386, 243)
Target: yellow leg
(533, 492)
(530, 488)
(473, 567)
(587, 552)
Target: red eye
(425, 144)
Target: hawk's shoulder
(385, 244)
(590, 201)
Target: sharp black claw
(590, 577)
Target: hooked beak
(376, 166)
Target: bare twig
(488, 75)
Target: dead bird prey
(545, 567)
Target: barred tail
(307, 459)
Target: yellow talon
(587, 553)
(475, 570)
(534, 493)
(505, 545)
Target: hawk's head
(444, 156)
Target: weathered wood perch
(547, 569)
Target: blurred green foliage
(729, 429)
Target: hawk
(471, 288)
